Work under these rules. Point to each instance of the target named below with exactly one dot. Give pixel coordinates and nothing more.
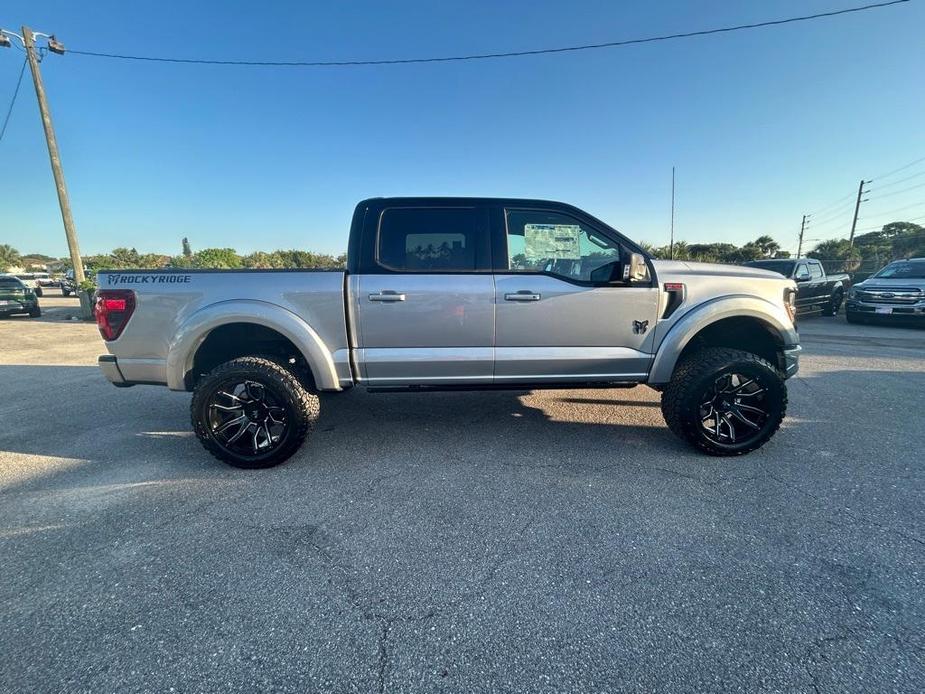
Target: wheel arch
(739, 322)
(194, 332)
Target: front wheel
(35, 312)
(831, 308)
(252, 412)
(725, 401)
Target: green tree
(219, 258)
(768, 246)
(9, 257)
(125, 258)
(837, 255)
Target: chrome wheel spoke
(230, 423)
(742, 418)
(749, 408)
(227, 408)
(239, 433)
(229, 395)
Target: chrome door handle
(387, 295)
(523, 295)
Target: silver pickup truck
(457, 293)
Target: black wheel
(725, 401)
(38, 291)
(252, 412)
(65, 292)
(36, 312)
(831, 308)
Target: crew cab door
(565, 313)
(423, 303)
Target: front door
(426, 314)
(565, 313)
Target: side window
(557, 244)
(801, 271)
(431, 239)
(815, 270)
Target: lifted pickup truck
(816, 291)
(457, 293)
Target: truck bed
(171, 304)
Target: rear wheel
(252, 412)
(35, 312)
(725, 401)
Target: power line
(901, 180)
(895, 171)
(898, 192)
(9, 111)
(898, 209)
(837, 203)
(487, 56)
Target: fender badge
(640, 326)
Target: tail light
(113, 308)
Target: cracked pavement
(513, 542)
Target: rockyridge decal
(115, 278)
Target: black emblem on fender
(640, 326)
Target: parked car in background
(31, 280)
(43, 279)
(817, 292)
(896, 292)
(457, 293)
(16, 297)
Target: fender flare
(687, 326)
(195, 328)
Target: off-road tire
(65, 292)
(831, 308)
(35, 312)
(682, 397)
(302, 408)
(38, 292)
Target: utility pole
(671, 242)
(802, 229)
(28, 39)
(857, 206)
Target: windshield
(774, 265)
(10, 283)
(905, 270)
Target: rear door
(424, 302)
(564, 311)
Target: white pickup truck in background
(457, 293)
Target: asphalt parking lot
(509, 542)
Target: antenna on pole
(671, 242)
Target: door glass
(554, 243)
(815, 271)
(429, 239)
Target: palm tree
(9, 257)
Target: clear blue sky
(762, 125)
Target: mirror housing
(802, 277)
(638, 269)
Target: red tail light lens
(112, 310)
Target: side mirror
(639, 269)
(802, 276)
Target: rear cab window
(433, 239)
(815, 270)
